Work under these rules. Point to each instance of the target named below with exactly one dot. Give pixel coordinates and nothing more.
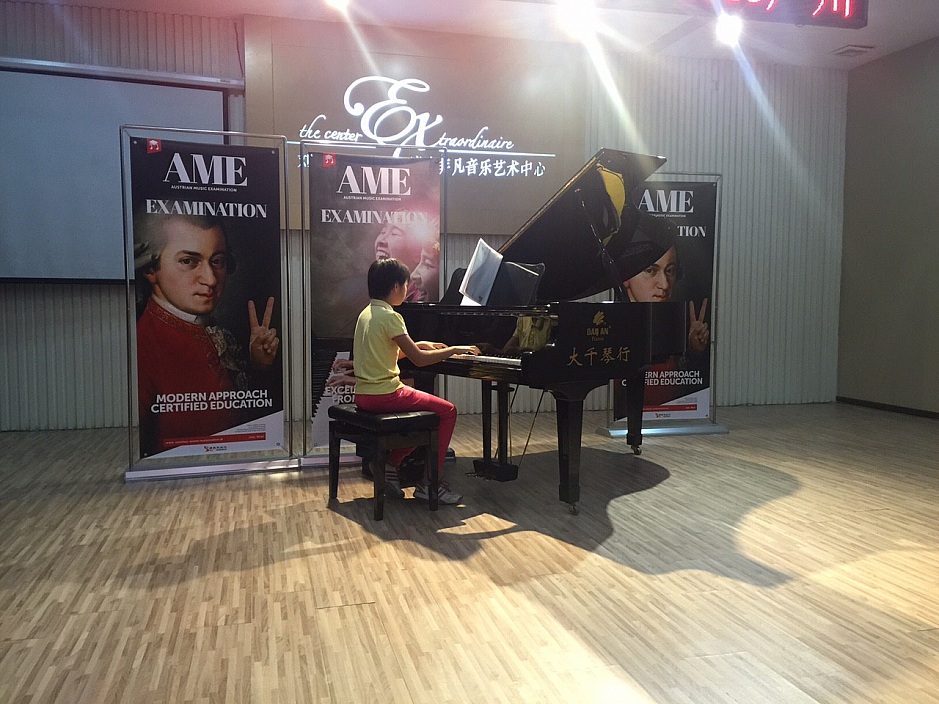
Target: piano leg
(490, 467)
(635, 393)
(570, 419)
(502, 399)
(487, 419)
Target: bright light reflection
(784, 144)
(605, 76)
(578, 18)
(341, 5)
(729, 28)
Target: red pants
(410, 399)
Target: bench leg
(433, 471)
(377, 465)
(334, 443)
(374, 458)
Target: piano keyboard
(488, 359)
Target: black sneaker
(393, 488)
(412, 469)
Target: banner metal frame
(617, 427)
(189, 466)
(309, 456)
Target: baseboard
(888, 407)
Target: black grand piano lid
(560, 236)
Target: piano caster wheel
(637, 450)
(574, 509)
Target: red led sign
(849, 14)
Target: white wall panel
(889, 332)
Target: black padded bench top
(384, 422)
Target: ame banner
(207, 279)
(363, 208)
(680, 387)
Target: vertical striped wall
(63, 359)
(776, 136)
(144, 41)
(777, 141)
(63, 356)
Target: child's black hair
(384, 274)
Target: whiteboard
(61, 214)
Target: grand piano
(582, 242)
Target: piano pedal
(487, 469)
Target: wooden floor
(793, 560)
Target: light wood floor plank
(795, 559)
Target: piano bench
(376, 433)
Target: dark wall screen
(61, 214)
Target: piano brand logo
(217, 171)
(599, 329)
(662, 201)
(376, 181)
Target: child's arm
(423, 354)
(423, 345)
(430, 345)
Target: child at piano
(380, 340)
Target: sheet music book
(480, 275)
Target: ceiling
(662, 27)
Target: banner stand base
(347, 457)
(284, 465)
(617, 429)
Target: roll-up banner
(362, 208)
(206, 238)
(679, 388)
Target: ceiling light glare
(578, 18)
(341, 5)
(729, 28)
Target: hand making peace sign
(264, 343)
(698, 332)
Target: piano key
(489, 359)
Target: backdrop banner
(207, 278)
(679, 388)
(363, 208)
